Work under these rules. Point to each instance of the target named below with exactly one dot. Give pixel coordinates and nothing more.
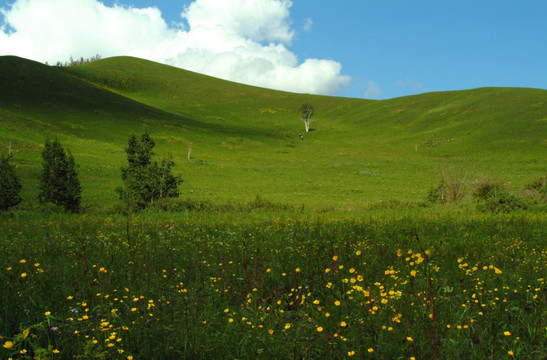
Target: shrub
(537, 189)
(494, 196)
(488, 188)
(438, 193)
(539, 184)
(180, 205)
(59, 182)
(452, 186)
(9, 184)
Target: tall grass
(184, 286)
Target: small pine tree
(59, 182)
(9, 184)
(145, 180)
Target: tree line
(145, 180)
(80, 61)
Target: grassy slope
(245, 139)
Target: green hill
(245, 139)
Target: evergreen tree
(59, 182)
(145, 180)
(9, 184)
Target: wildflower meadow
(157, 286)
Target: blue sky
(357, 48)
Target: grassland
(281, 248)
(245, 139)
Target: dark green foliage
(494, 196)
(502, 203)
(146, 180)
(9, 184)
(59, 182)
(489, 188)
(438, 193)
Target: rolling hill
(245, 139)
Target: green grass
(245, 139)
(279, 248)
(179, 286)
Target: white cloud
(262, 20)
(308, 24)
(373, 91)
(51, 30)
(239, 40)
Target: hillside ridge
(245, 139)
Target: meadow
(273, 285)
(344, 244)
(245, 139)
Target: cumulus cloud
(239, 40)
(373, 91)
